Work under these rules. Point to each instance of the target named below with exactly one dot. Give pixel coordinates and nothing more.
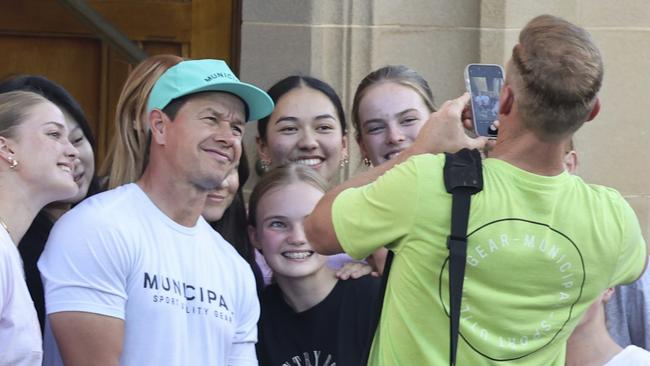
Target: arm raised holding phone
(443, 132)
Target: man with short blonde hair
(541, 243)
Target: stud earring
(262, 166)
(13, 163)
(265, 163)
(367, 162)
(343, 162)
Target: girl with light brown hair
(37, 164)
(127, 156)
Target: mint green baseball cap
(195, 76)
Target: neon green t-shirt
(540, 250)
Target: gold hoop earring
(367, 162)
(13, 163)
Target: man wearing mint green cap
(135, 275)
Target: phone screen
(484, 82)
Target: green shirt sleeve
(378, 214)
(632, 257)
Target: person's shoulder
(105, 203)
(365, 287)
(271, 294)
(631, 355)
(428, 159)
(100, 212)
(225, 248)
(640, 286)
(7, 246)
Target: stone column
(341, 41)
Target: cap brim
(258, 102)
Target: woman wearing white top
(36, 167)
(591, 345)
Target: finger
(342, 275)
(468, 123)
(477, 142)
(458, 105)
(467, 112)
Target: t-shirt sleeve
(242, 352)
(632, 257)
(83, 267)
(378, 214)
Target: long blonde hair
(128, 154)
(14, 109)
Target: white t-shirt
(20, 334)
(630, 356)
(186, 296)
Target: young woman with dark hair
(307, 127)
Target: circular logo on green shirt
(522, 280)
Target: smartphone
(484, 82)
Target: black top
(334, 332)
(30, 248)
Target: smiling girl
(308, 314)
(36, 167)
(32, 244)
(390, 107)
(306, 127)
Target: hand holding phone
(484, 82)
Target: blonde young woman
(390, 107)
(309, 316)
(32, 244)
(36, 168)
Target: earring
(262, 166)
(367, 162)
(344, 162)
(13, 163)
(265, 164)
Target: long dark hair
(56, 94)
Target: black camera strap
(463, 176)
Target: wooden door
(43, 37)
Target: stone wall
(340, 41)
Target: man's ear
(252, 235)
(571, 161)
(158, 126)
(594, 110)
(506, 100)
